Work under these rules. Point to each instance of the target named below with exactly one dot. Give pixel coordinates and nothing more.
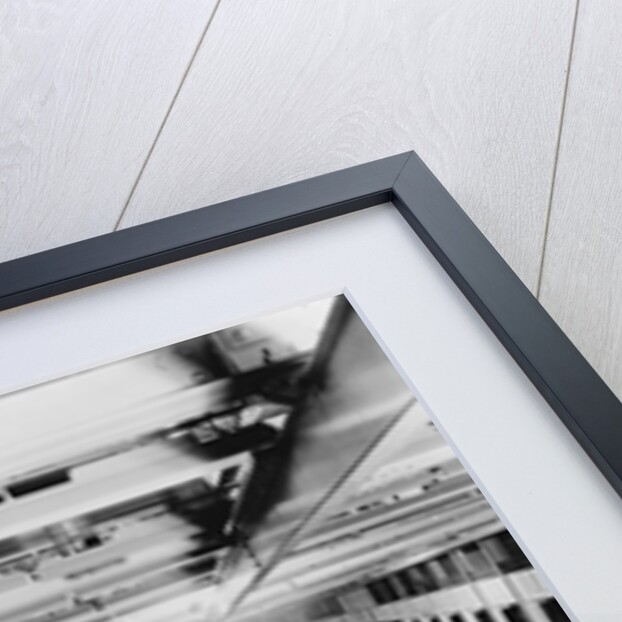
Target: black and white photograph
(275, 471)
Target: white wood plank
(582, 276)
(282, 91)
(84, 87)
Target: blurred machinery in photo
(276, 471)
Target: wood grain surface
(282, 91)
(84, 87)
(115, 114)
(582, 275)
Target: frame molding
(572, 388)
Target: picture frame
(552, 365)
(581, 399)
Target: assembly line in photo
(277, 471)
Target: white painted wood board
(282, 91)
(582, 275)
(84, 87)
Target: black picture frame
(572, 388)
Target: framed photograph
(329, 401)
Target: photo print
(275, 471)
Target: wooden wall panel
(84, 87)
(582, 275)
(282, 91)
